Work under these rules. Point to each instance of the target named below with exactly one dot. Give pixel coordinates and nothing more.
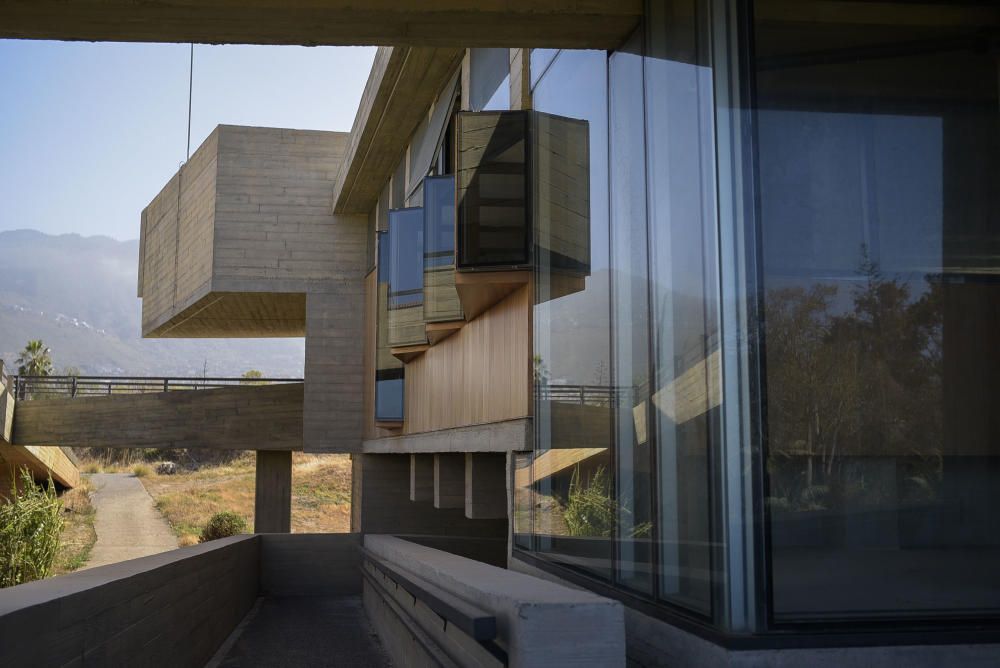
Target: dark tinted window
(879, 158)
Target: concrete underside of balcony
(513, 23)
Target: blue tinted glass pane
(406, 277)
(388, 370)
(439, 221)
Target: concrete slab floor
(304, 631)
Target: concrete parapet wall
(310, 564)
(539, 623)
(171, 609)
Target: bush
(223, 525)
(30, 524)
(141, 470)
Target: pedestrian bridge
(158, 412)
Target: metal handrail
(29, 387)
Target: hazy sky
(90, 133)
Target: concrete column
(421, 477)
(449, 480)
(273, 500)
(520, 79)
(485, 485)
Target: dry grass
(78, 535)
(321, 494)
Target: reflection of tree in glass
(591, 511)
(541, 371)
(865, 383)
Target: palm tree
(35, 360)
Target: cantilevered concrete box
(235, 240)
(243, 242)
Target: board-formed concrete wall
(264, 417)
(246, 228)
(273, 261)
(171, 609)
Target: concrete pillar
(485, 485)
(273, 500)
(421, 477)
(449, 480)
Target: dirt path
(127, 523)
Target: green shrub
(222, 525)
(590, 510)
(30, 524)
(141, 470)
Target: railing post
(72, 391)
(166, 384)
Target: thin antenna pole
(190, 89)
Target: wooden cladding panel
(479, 374)
(267, 417)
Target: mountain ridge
(78, 294)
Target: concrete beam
(486, 486)
(548, 23)
(449, 480)
(491, 437)
(273, 492)
(401, 86)
(421, 478)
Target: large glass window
(575, 506)
(388, 369)
(489, 79)
(879, 204)
(685, 394)
(627, 367)
(406, 277)
(441, 301)
(630, 319)
(493, 190)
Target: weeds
(30, 524)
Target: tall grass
(30, 524)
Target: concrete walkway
(127, 523)
(303, 632)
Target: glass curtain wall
(627, 367)
(575, 507)
(879, 209)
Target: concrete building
(660, 333)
